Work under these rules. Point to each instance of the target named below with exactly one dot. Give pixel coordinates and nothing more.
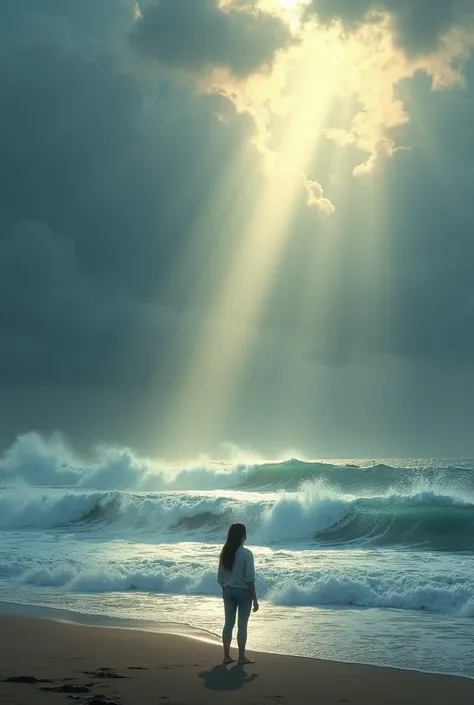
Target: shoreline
(85, 619)
(130, 666)
(177, 629)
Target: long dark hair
(235, 538)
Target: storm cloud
(418, 24)
(198, 34)
(90, 173)
(107, 163)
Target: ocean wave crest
(48, 462)
(315, 514)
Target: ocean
(367, 561)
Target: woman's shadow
(225, 678)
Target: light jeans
(236, 600)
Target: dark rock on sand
(26, 679)
(101, 700)
(69, 688)
(105, 673)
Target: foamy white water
(357, 561)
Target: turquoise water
(358, 561)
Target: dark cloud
(418, 23)
(87, 19)
(405, 286)
(198, 34)
(105, 171)
(430, 286)
(101, 181)
(57, 326)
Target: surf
(317, 515)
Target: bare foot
(244, 661)
(227, 660)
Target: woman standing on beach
(236, 576)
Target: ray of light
(220, 353)
(316, 298)
(201, 251)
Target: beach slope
(101, 665)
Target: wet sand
(100, 666)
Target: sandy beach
(101, 665)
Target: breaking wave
(164, 522)
(48, 462)
(434, 592)
(315, 514)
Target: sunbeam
(223, 346)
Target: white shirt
(242, 573)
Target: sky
(243, 222)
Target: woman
(236, 576)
